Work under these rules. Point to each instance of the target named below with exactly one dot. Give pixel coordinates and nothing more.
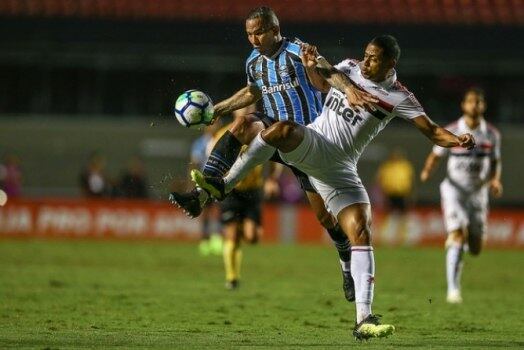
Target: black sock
(341, 242)
(223, 155)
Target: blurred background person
(395, 179)
(11, 176)
(133, 181)
(93, 180)
(241, 212)
(210, 240)
(471, 175)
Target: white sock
(257, 153)
(363, 272)
(454, 265)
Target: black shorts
(302, 177)
(240, 205)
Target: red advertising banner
(78, 218)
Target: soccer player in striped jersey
(277, 78)
(464, 191)
(329, 148)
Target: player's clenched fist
(467, 141)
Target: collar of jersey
(482, 126)
(275, 55)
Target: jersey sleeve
(496, 146)
(409, 108)
(345, 66)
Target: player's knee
(361, 231)
(457, 237)
(277, 134)
(241, 128)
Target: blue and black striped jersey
(287, 93)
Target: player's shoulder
(292, 45)
(404, 95)
(403, 91)
(453, 126)
(252, 57)
(349, 62)
(492, 129)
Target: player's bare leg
(454, 264)
(355, 220)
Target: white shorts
(330, 170)
(467, 210)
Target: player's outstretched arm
(432, 162)
(440, 136)
(243, 98)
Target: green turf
(85, 294)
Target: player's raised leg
(222, 157)
(286, 137)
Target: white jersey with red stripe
(352, 128)
(469, 170)
(333, 143)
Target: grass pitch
(98, 294)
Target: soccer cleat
(232, 285)
(370, 327)
(348, 285)
(189, 202)
(454, 297)
(213, 185)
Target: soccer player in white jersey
(329, 148)
(464, 191)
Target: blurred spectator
(93, 180)
(133, 183)
(395, 177)
(11, 176)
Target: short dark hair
(474, 90)
(266, 15)
(389, 46)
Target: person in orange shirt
(395, 177)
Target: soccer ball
(193, 108)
